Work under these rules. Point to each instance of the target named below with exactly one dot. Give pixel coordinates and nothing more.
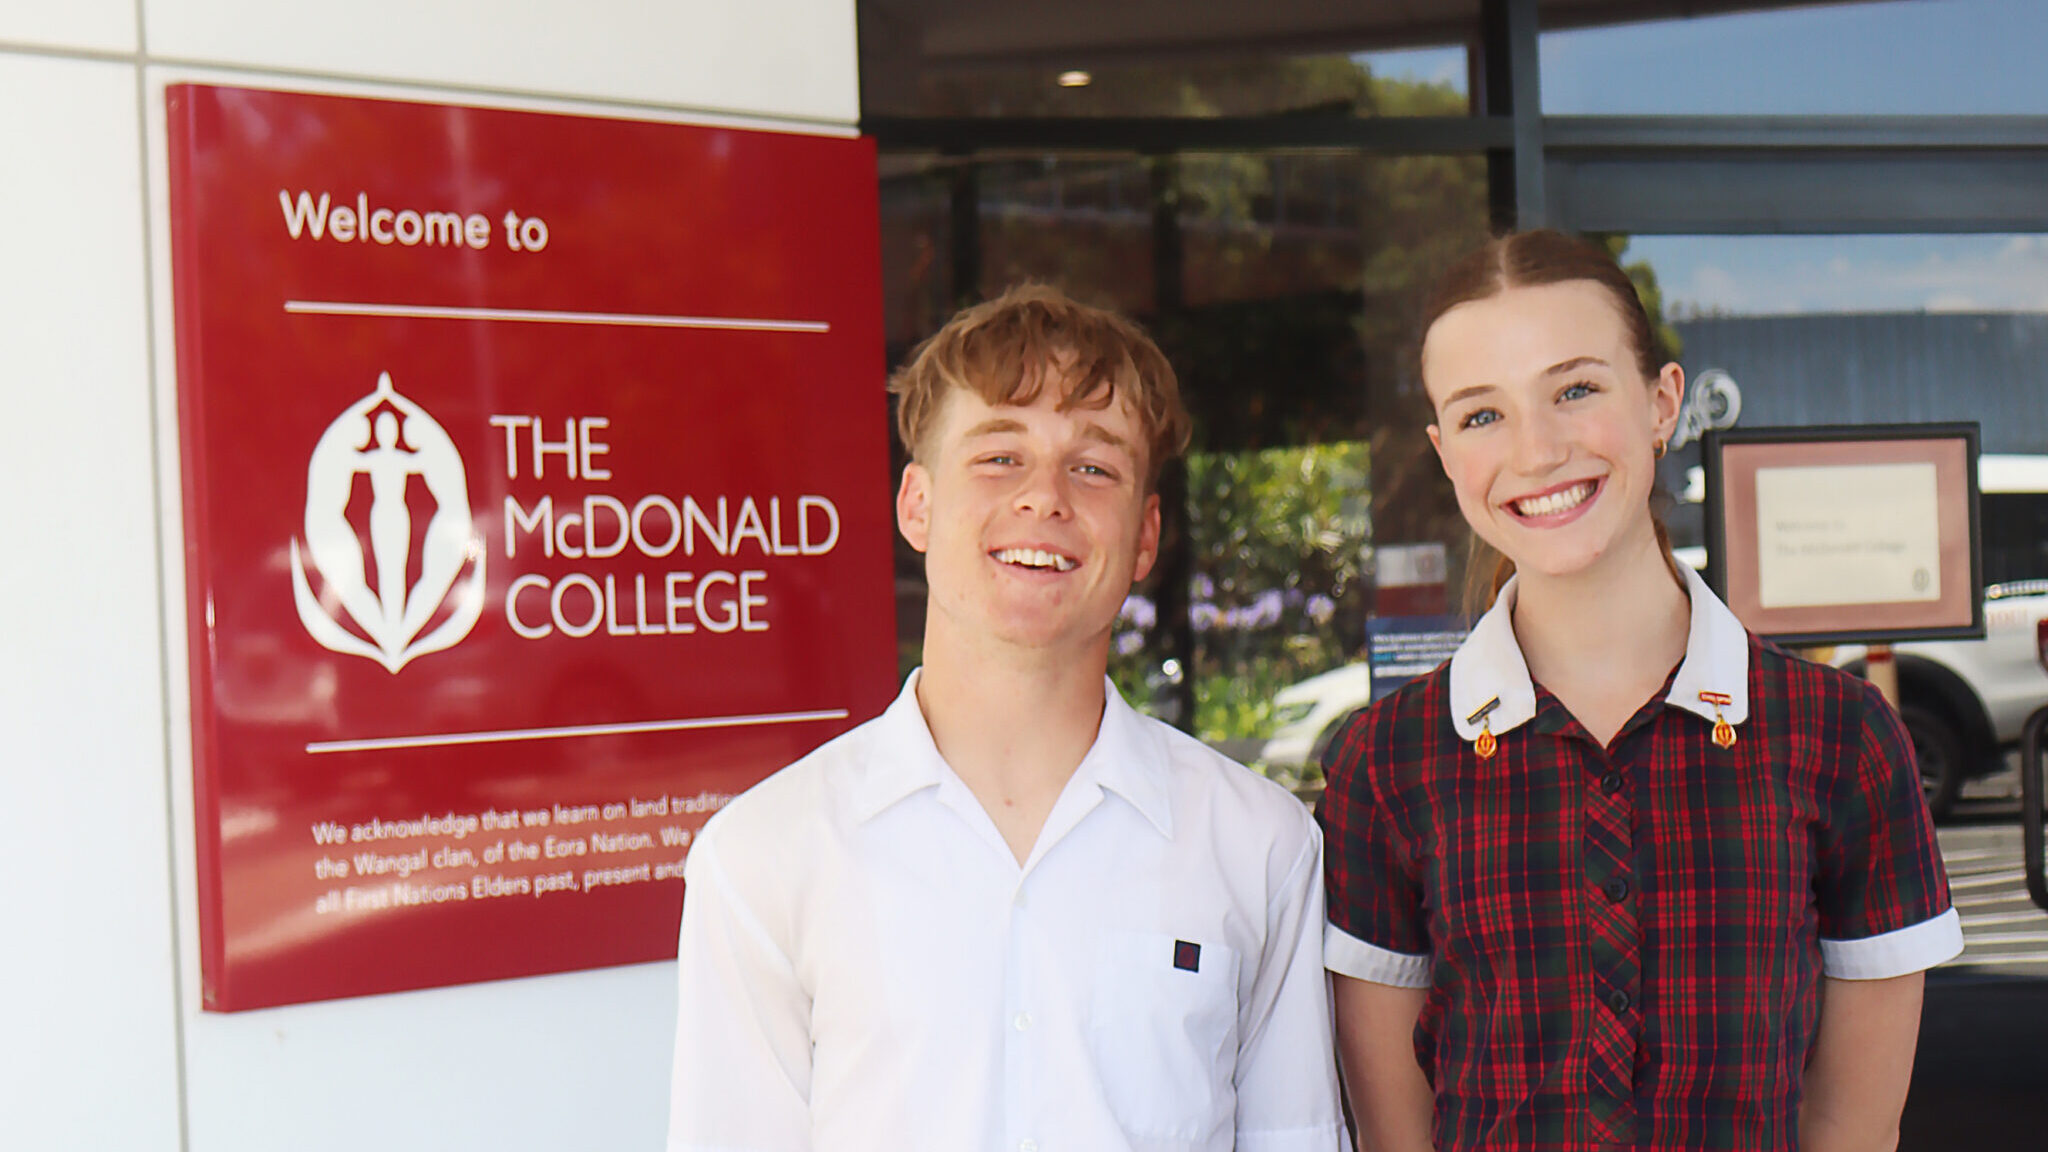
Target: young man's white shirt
(864, 964)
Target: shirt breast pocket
(1163, 1027)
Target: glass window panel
(1082, 222)
(1899, 57)
(1332, 84)
(1869, 330)
(1430, 71)
(917, 245)
(1283, 287)
(1792, 275)
(1279, 592)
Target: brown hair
(1531, 260)
(1005, 351)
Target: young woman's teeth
(1555, 502)
(1035, 558)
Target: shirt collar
(1489, 667)
(1129, 760)
(1126, 759)
(902, 757)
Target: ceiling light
(1075, 78)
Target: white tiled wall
(790, 58)
(102, 1043)
(577, 1063)
(85, 867)
(85, 25)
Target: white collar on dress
(1126, 759)
(1489, 666)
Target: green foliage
(1279, 589)
(1286, 519)
(1279, 538)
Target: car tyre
(1938, 749)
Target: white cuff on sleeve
(1914, 948)
(1347, 955)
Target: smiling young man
(1010, 912)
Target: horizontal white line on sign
(537, 316)
(505, 735)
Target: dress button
(1618, 1000)
(1023, 1021)
(1617, 890)
(1612, 782)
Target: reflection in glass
(1870, 330)
(1278, 591)
(1283, 287)
(917, 248)
(1333, 84)
(1903, 58)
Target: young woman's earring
(1657, 452)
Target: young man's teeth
(1555, 502)
(1035, 558)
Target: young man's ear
(1148, 539)
(914, 505)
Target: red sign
(535, 503)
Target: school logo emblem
(383, 582)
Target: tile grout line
(181, 1075)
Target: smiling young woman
(1591, 307)
(1588, 880)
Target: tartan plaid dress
(1624, 946)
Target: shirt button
(1023, 1022)
(1612, 782)
(1027, 1146)
(1618, 1000)
(1617, 890)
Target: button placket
(1614, 940)
(1021, 1085)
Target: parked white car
(1965, 702)
(1306, 715)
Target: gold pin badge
(1485, 744)
(1724, 732)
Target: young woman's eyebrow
(1468, 393)
(1574, 364)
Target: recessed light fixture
(1075, 78)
